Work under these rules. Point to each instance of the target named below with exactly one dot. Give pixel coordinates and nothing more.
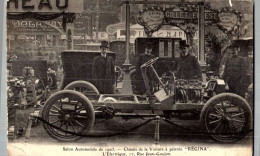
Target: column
(69, 36)
(97, 19)
(69, 18)
(127, 27)
(202, 33)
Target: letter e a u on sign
(51, 6)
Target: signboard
(111, 29)
(50, 6)
(153, 19)
(32, 26)
(186, 15)
(138, 31)
(101, 35)
(228, 20)
(182, 15)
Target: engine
(188, 91)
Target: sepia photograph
(130, 77)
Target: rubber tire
(89, 105)
(81, 83)
(214, 100)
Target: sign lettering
(155, 17)
(75, 6)
(28, 26)
(24, 5)
(65, 5)
(181, 15)
(190, 15)
(171, 33)
(45, 3)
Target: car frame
(80, 103)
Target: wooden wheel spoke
(238, 114)
(217, 127)
(215, 115)
(53, 122)
(61, 124)
(54, 111)
(66, 127)
(233, 125)
(218, 111)
(72, 126)
(80, 109)
(77, 122)
(226, 129)
(56, 107)
(212, 122)
(236, 120)
(223, 107)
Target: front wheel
(70, 111)
(226, 117)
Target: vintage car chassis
(69, 113)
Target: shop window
(54, 40)
(165, 48)
(177, 50)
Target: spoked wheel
(120, 73)
(226, 117)
(52, 80)
(84, 87)
(70, 111)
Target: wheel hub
(226, 118)
(67, 117)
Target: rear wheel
(84, 87)
(226, 117)
(71, 112)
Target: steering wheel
(150, 62)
